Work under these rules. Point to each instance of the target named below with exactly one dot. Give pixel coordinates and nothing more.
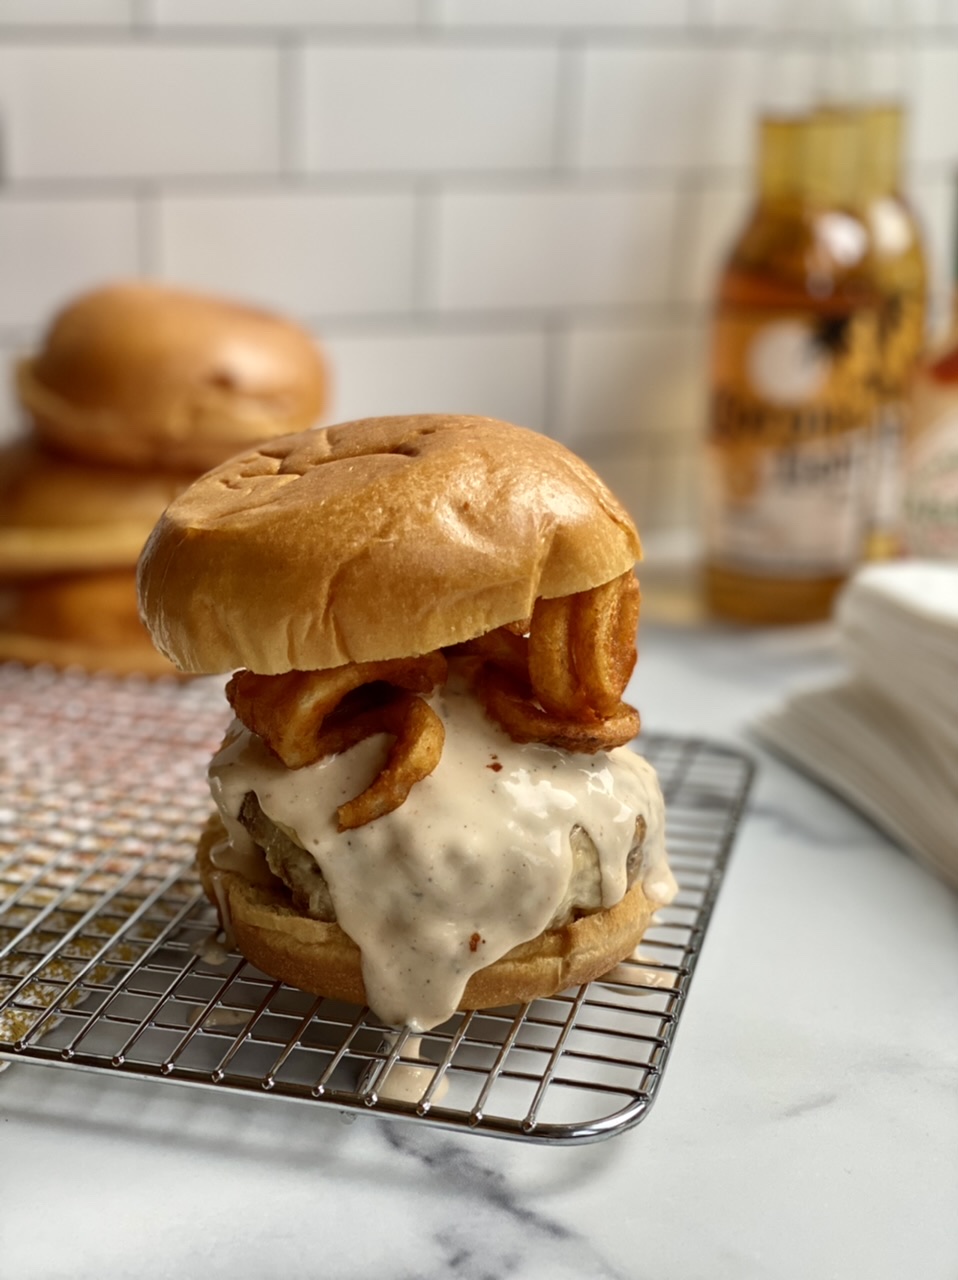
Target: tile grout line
(143, 23)
(425, 254)
(148, 235)
(689, 193)
(568, 105)
(292, 122)
(554, 333)
(142, 16)
(513, 180)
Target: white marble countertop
(806, 1125)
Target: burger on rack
(426, 800)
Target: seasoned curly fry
(419, 735)
(552, 671)
(288, 711)
(503, 647)
(582, 649)
(561, 684)
(602, 641)
(511, 703)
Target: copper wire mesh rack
(110, 960)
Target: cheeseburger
(425, 801)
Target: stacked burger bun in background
(135, 390)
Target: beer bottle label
(788, 463)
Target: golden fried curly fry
(419, 735)
(582, 649)
(288, 711)
(552, 672)
(602, 641)
(511, 703)
(503, 647)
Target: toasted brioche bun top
(140, 374)
(376, 539)
(58, 515)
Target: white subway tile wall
(441, 108)
(428, 368)
(138, 110)
(631, 381)
(311, 254)
(676, 108)
(78, 13)
(579, 14)
(50, 248)
(713, 213)
(284, 13)
(936, 71)
(564, 245)
(511, 207)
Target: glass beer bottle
(794, 347)
(931, 448)
(901, 278)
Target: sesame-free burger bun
(140, 374)
(376, 539)
(59, 515)
(319, 957)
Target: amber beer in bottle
(901, 279)
(794, 348)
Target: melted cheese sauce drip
(409, 1081)
(477, 860)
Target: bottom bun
(85, 620)
(320, 958)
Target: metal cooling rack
(109, 959)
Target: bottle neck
(882, 127)
(812, 160)
(779, 163)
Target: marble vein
(490, 1234)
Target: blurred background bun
(58, 514)
(70, 533)
(78, 620)
(135, 390)
(143, 375)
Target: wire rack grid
(110, 959)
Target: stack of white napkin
(886, 737)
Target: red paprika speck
(474, 942)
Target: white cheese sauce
(475, 861)
(410, 1076)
